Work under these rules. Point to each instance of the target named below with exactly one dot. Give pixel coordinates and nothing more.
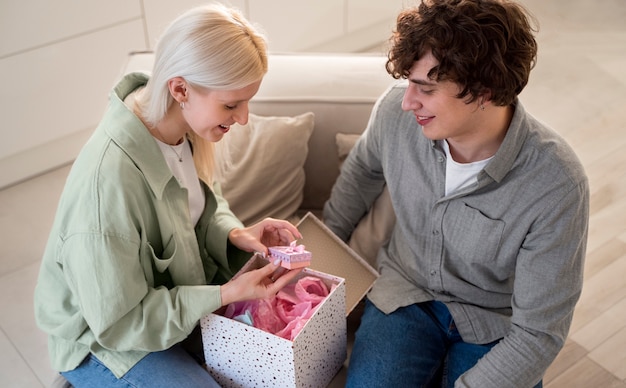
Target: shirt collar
(131, 135)
(511, 146)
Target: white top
(185, 172)
(180, 161)
(461, 175)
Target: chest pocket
(156, 260)
(471, 235)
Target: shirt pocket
(162, 258)
(471, 235)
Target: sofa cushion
(374, 229)
(261, 166)
(340, 89)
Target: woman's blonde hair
(212, 47)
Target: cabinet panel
(60, 89)
(363, 14)
(160, 13)
(25, 25)
(298, 25)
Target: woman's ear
(485, 96)
(178, 89)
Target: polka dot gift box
(240, 355)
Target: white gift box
(239, 355)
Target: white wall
(59, 59)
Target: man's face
(436, 106)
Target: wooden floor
(578, 87)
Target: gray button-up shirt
(505, 255)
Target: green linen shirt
(505, 254)
(125, 272)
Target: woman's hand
(267, 281)
(261, 283)
(266, 233)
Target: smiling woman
(186, 61)
(209, 113)
(144, 244)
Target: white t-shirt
(461, 175)
(180, 161)
(185, 172)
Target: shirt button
(436, 232)
(440, 159)
(433, 272)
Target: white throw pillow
(262, 166)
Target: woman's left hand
(266, 233)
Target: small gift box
(291, 256)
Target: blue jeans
(174, 367)
(415, 346)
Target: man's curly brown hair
(483, 45)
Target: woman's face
(436, 106)
(210, 113)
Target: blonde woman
(143, 245)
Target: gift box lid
(335, 257)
